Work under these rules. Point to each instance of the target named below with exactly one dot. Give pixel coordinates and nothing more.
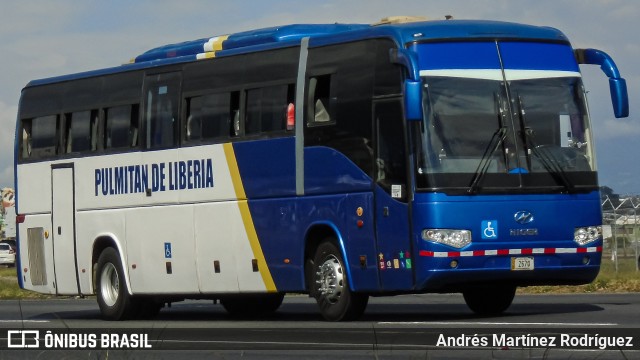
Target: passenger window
(40, 137)
(320, 104)
(267, 109)
(209, 117)
(80, 129)
(162, 94)
(121, 127)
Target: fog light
(586, 260)
(454, 264)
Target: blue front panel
(484, 55)
(497, 237)
(457, 55)
(537, 56)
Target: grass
(626, 279)
(9, 288)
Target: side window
(40, 137)
(321, 103)
(26, 139)
(391, 160)
(121, 130)
(388, 76)
(212, 116)
(81, 131)
(267, 109)
(162, 94)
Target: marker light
(291, 117)
(585, 235)
(455, 238)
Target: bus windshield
(486, 135)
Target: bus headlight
(585, 235)
(455, 238)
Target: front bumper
(457, 270)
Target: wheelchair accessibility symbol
(167, 250)
(490, 229)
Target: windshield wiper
(497, 139)
(548, 163)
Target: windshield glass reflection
(545, 137)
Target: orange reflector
(291, 116)
(20, 218)
(360, 223)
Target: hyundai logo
(523, 217)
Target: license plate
(522, 263)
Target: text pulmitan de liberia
(169, 176)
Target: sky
(43, 38)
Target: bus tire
(113, 298)
(489, 301)
(251, 305)
(330, 286)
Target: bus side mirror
(413, 100)
(617, 85)
(619, 97)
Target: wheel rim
(109, 284)
(330, 279)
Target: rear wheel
(252, 304)
(331, 287)
(491, 300)
(113, 298)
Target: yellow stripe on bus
(208, 55)
(247, 219)
(217, 42)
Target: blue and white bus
(341, 161)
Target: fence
(621, 216)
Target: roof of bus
(321, 34)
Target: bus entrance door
(63, 237)
(394, 254)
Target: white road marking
(472, 323)
(23, 321)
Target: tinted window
(345, 75)
(390, 164)
(81, 131)
(321, 103)
(210, 116)
(121, 126)
(388, 79)
(162, 94)
(39, 137)
(267, 109)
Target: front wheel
(330, 286)
(113, 298)
(490, 301)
